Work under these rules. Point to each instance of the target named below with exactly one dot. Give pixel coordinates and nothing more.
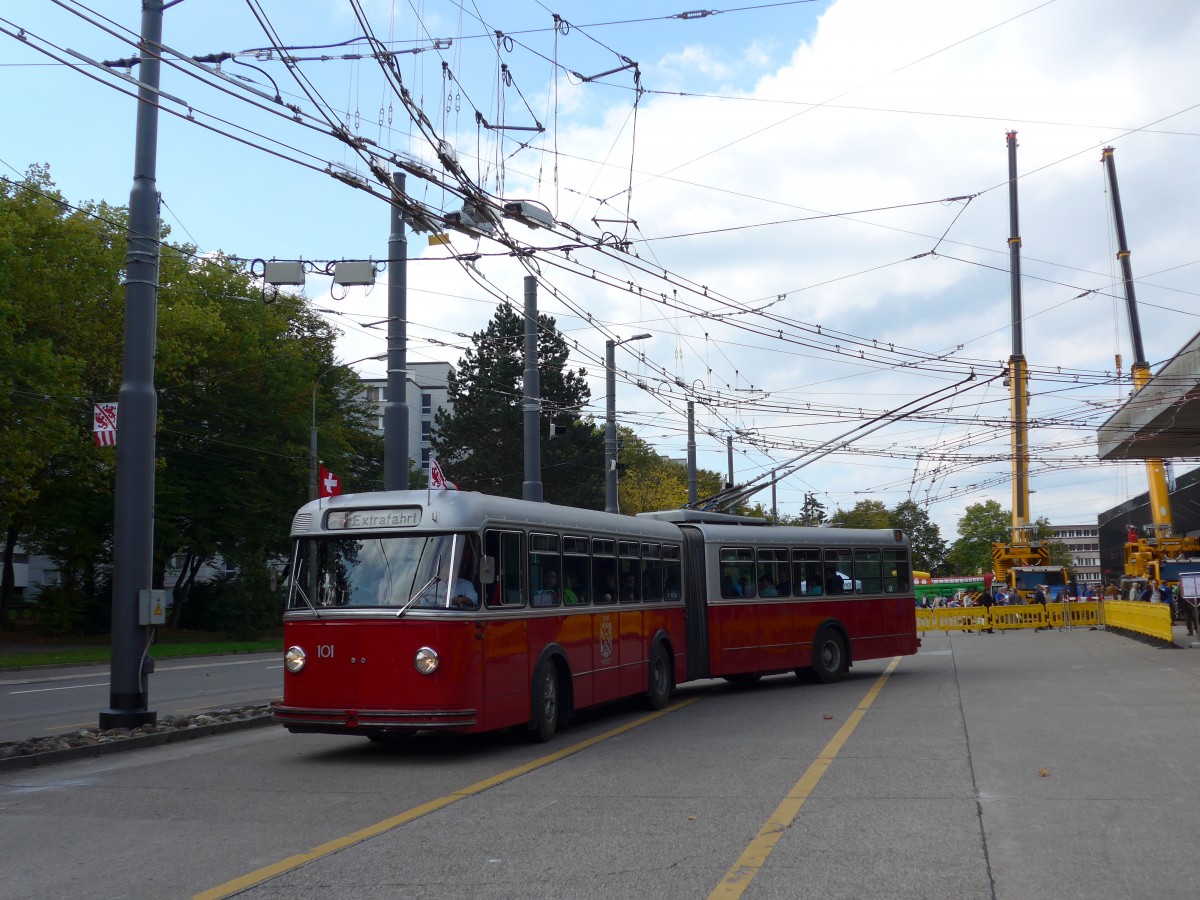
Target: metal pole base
(127, 718)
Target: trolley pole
(137, 410)
(395, 407)
(531, 488)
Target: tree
(480, 444)
(864, 514)
(234, 377)
(812, 513)
(981, 525)
(58, 272)
(651, 482)
(928, 548)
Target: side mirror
(487, 569)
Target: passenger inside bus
(570, 596)
(765, 588)
(547, 594)
(833, 581)
(628, 588)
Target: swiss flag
(328, 484)
(437, 479)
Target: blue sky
(785, 181)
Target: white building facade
(427, 392)
(1084, 543)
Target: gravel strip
(42, 751)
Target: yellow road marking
(754, 857)
(258, 876)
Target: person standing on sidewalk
(985, 600)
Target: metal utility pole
(531, 487)
(395, 406)
(693, 488)
(137, 410)
(610, 425)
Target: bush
(61, 610)
(241, 607)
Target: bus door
(606, 624)
(504, 628)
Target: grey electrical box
(285, 272)
(354, 272)
(152, 609)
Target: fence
(1153, 619)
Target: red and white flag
(437, 479)
(328, 484)
(104, 424)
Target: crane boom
(1144, 555)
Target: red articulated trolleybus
(459, 611)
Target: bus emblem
(606, 639)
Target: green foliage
(480, 445)
(234, 376)
(864, 514)
(981, 525)
(928, 548)
(651, 482)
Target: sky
(806, 204)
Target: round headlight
(426, 661)
(294, 659)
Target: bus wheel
(545, 702)
(659, 690)
(745, 679)
(829, 657)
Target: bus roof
(445, 510)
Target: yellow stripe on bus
(754, 857)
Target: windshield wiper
(413, 599)
(299, 590)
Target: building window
(424, 457)
(426, 404)
(425, 430)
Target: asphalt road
(1021, 765)
(38, 702)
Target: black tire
(661, 682)
(545, 702)
(745, 679)
(830, 662)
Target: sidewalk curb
(137, 742)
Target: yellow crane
(1157, 553)
(1023, 562)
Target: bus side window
(868, 572)
(737, 572)
(604, 571)
(508, 549)
(672, 569)
(544, 570)
(897, 577)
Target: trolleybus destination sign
(407, 517)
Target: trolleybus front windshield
(375, 571)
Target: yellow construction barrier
(1153, 619)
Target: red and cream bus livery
(459, 611)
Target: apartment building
(427, 393)
(1084, 543)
